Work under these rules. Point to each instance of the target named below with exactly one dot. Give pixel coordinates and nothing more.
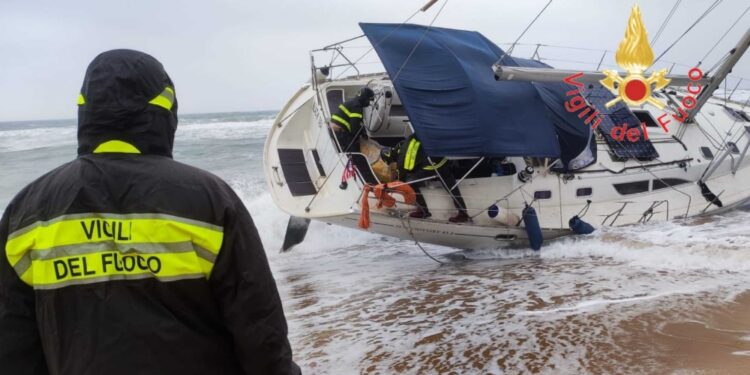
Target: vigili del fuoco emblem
(635, 56)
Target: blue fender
(579, 226)
(533, 230)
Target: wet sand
(666, 299)
(716, 342)
(470, 319)
(711, 339)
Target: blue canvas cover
(456, 106)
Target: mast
(721, 73)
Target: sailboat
(538, 153)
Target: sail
(455, 105)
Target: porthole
(584, 192)
(542, 194)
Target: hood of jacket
(127, 96)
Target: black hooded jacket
(125, 261)
(349, 115)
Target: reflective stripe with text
(96, 247)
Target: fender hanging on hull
(533, 230)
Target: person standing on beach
(124, 261)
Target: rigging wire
(718, 63)
(380, 41)
(666, 21)
(705, 13)
(421, 38)
(723, 36)
(510, 50)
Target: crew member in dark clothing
(124, 261)
(413, 164)
(346, 123)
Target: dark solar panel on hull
(297, 177)
(618, 114)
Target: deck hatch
(295, 172)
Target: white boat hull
(302, 125)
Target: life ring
(382, 193)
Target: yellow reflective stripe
(165, 99)
(76, 236)
(438, 165)
(350, 114)
(113, 265)
(81, 100)
(116, 146)
(411, 154)
(342, 122)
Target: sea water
(357, 302)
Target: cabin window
(542, 194)
(584, 192)
(645, 116)
(634, 187)
(707, 153)
(732, 146)
(667, 182)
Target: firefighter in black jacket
(125, 261)
(346, 123)
(413, 165)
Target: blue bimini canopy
(445, 81)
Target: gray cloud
(231, 55)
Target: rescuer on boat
(346, 123)
(124, 261)
(414, 164)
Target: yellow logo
(635, 56)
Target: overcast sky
(232, 55)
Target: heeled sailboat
(604, 148)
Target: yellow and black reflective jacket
(125, 261)
(411, 157)
(349, 115)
